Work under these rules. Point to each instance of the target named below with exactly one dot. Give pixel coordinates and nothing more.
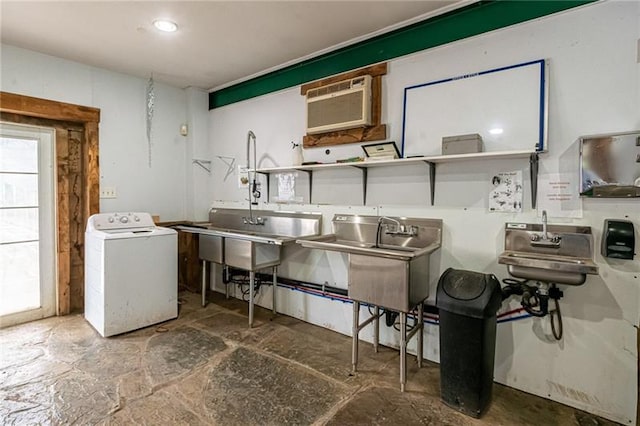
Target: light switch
(108, 192)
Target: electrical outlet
(108, 192)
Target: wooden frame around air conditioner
(375, 132)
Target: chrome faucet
(400, 229)
(253, 184)
(545, 239)
(381, 219)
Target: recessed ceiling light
(496, 131)
(165, 25)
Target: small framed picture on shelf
(381, 151)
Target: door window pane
(17, 190)
(18, 225)
(19, 277)
(18, 155)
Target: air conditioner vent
(342, 105)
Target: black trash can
(468, 302)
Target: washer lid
(126, 220)
(114, 234)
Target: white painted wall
(159, 188)
(594, 88)
(198, 148)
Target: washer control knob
(124, 219)
(110, 219)
(136, 218)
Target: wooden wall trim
(92, 170)
(373, 71)
(44, 108)
(62, 219)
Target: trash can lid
(462, 287)
(469, 293)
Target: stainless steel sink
(563, 256)
(388, 268)
(229, 239)
(333, 243)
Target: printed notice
(243, 176)
(506, 195)
(558, 194)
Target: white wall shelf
(431, 161)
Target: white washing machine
(131, 272)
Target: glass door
(27, 224)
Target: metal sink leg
(275, 286)
(420, 333)
(252, 280)
(375, 318)
(204, 283)
(225, 273)
(376, 328)
(405, 337)
(403, 350)
(354, 332)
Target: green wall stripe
(458, 24)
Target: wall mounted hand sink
(562, 255)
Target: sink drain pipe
(535, 301)
(340, 294)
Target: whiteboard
(512, 99)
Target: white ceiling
(218, 42)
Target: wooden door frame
(88, 118)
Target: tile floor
(208, 368)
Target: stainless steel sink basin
(388, 268)
(229, 239)
(563, 256)
(332, 243)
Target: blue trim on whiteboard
(540, 62)
(404, 120)
(540, 145)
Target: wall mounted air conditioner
(339, 106)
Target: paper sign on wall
(558, 194)
(243, 176)
(287, 188)
(506, 195)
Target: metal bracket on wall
(268, 175)
(533, 170)
(230, 162)
(432, 180)
(205, 164)
(310, 173)
(365, 172)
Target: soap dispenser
(618, 239)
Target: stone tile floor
(207, 368)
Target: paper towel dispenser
(610, 165)
(618, 239)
